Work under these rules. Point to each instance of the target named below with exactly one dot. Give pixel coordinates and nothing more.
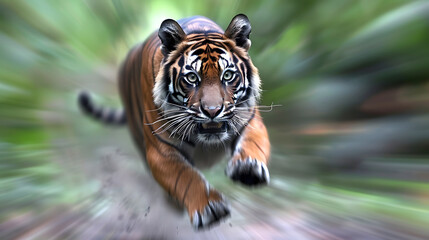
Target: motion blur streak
(350, 139)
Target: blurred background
(350, 156)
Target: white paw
(211, 215)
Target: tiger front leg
(205, 205)
(250, 158)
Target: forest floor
(130, 205)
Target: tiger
(190, 94)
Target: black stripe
(242, 69)
(110, 116)
(235, 58)
(85, 102)
(88, 107)
(178, 177)
(218, 50)
(186, 191)
(181, 61)
(184, 154)
(223, 46)
(97, 113)
(198, 52)
(174, 73)
(197, 45)
(137, 79)
(166, 78)
(257, 145)
(236, 85)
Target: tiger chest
(204, 157)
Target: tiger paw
(210, 215)
(250, 172)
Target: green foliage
(322, 60)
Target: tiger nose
(212, 111)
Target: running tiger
(190, 93)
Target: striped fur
(190, 93)
(102, 114)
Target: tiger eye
(227, 76)
(192, 77)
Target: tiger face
(207, 85)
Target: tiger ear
(239, 30)
(170, 34)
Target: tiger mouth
(212, 127)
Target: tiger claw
(211, 215)
(250, 172)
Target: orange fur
(255, 142)
(170, 165)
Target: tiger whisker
(166, 118)
(188, 131)
(251, 112)
(172, 123)
(244, 122)
(166, 129)
(191, 130)
(260, 107)
(239, 103)
(171, 114)
(189, 125)
(247, 115)
(182, 127)
(234, 127)
(161, 129)
(179, 126)
(236, 130)
(153, 110)
(171, 110)
(169, 119)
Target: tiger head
(207, 86)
